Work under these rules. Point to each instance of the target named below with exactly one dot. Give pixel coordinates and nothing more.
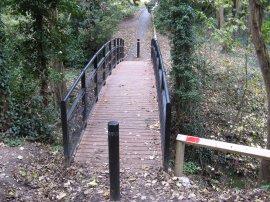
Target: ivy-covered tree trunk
(40, 49)
(177, 18)
(256, 17)
(58, 86)
(42, 59)
(185, 95)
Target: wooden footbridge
(134, 93)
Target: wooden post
(179, 159)
(181, 140)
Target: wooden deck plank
(129, 97)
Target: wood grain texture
(227, 147)
(129, 97)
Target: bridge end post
(167, 137)
(65, 133)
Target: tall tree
(39, 52)
(256, 18)
(220, 16)
(58, 86)
(3, 70)
(177, 18)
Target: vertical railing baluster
(104, 65)
(123, 49)
(114, 53)
(117, 52)
(110, 57)
(120, 50)
(167, 137)
(65, 132)
(84, 99)
(96, 76)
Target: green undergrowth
(233, 110)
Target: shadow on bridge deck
(129, 97)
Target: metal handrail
(83, 94)
(163, 101)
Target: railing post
(110, 57)
(123, 49)
(138, 48)
(115, 53)
(65, 132)
(152, 56)
(167, 137)
(157, 60)
(96, 77)
(104, 65)
(118, 50)
(114, 166)
(84, 100)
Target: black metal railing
(163, 101)
(83, 94)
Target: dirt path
(137, 27)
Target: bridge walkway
(129, 97)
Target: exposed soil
(44, 178)
(10, 159)
(137, 27)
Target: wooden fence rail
(216, 145)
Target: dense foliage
(4, 87)
(224, 24)
(39, 41)
(178, 19)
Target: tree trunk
(4, 92)
(256, 18)
(238, 8)
(44, 73)
(220, 17)
(58, 87)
